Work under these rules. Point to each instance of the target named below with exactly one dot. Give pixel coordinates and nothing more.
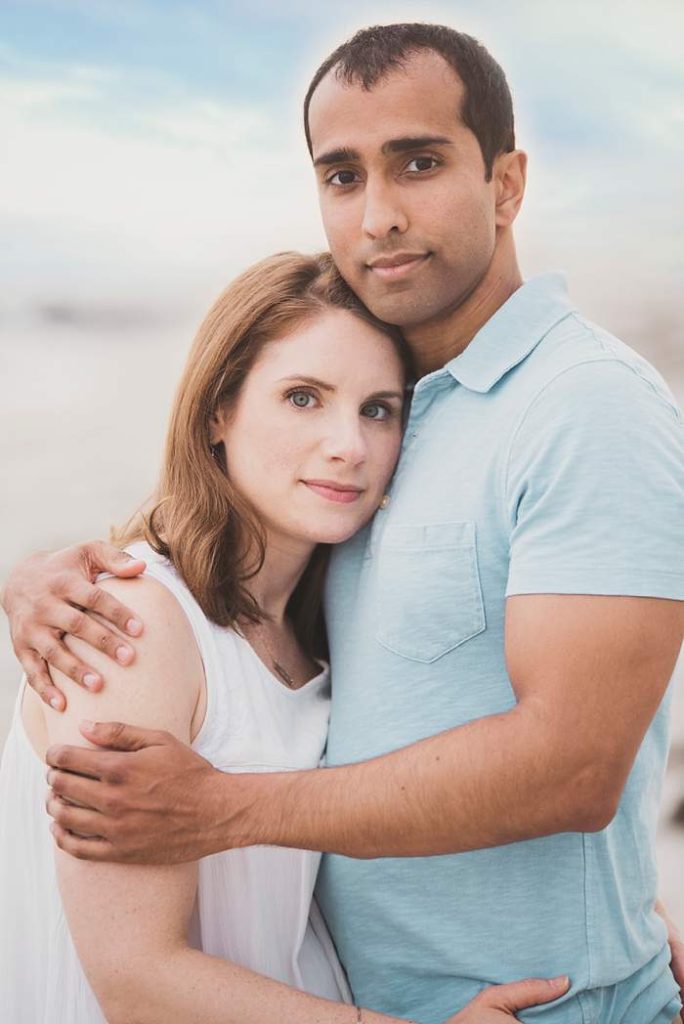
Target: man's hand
(499, 1003)
(50, 595)
(676, 949)
(148, 799)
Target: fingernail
(123, 654)
(134, 627)
(56, 703)
(562, 981)
(90, 680)
(87, 724)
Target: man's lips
(344, 494)
(398, 265)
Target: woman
(284, 433)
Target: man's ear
(509, 173)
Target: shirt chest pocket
(429, 594)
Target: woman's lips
(334, 492)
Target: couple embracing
(408, 464)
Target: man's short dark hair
(373, 53)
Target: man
(503, 634)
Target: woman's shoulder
(168, 639)
(160, 568)
(151, 598)
(161, 687)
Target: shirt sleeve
(594, 487)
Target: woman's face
(313, 437)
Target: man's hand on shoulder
(146, 799)
(49, 595)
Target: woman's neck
(273, 585)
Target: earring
(385, 501)
(215, 454)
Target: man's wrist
(250, 809)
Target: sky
(152, 149)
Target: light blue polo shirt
(546, 458)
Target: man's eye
(301, 399)
(422, 163)
(376, 411)
(341, 178)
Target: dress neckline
(312, 683)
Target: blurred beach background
(153, 149)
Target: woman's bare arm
(129, 923)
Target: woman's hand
(498, 1004)
(50, 595)
(676, 943)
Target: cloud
(104, 193)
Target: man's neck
(435, 342)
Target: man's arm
(588, 674)
(48, 595)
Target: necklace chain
(276, 665)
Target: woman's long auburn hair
(197, 518)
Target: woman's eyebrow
(399, 395)
(301, 378)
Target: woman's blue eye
(301, 399)
(375, 411)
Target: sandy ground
(82, 417)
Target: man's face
(409, 217)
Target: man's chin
(402, 308)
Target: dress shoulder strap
(204, 631)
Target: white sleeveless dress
(254, 906)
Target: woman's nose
(346, 441)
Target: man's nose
(383, 211)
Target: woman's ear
(217, 425)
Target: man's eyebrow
(336, 156)
(411, 142)
(405, 144)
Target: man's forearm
(493, 781)
(589, 675)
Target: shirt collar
(512, 333)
